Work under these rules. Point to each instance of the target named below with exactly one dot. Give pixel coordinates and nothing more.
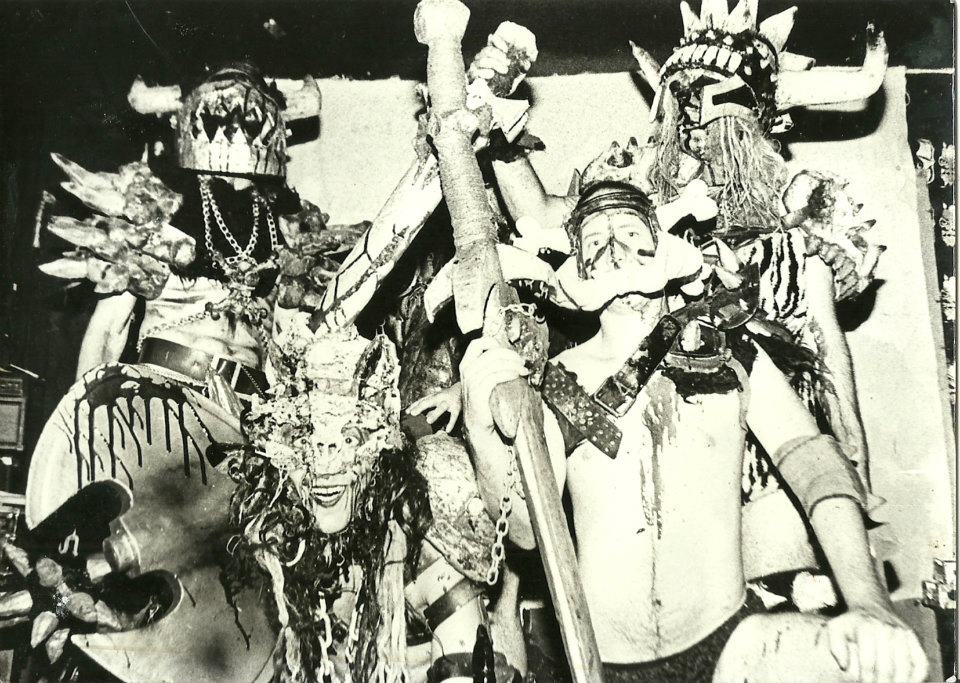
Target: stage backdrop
(366, 143)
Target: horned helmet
(233, 122)
(727, 65)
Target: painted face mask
(232, 123)
(728, 65)
(337, 415)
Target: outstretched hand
(446, 401)
(873, 645)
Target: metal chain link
(210, 206)
(497, 550)
(325, 672)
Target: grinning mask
(232, 123)
(331, 421)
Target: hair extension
(269, 515)
(755, 172)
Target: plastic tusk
(45, 624)
(49, 573)
(18, 558)
(55, 643)
(81, 606)
(107, 617)
(15, 604)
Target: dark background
(66, 67)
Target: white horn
(743, 17)
(153, 99)
(649, 68)
(302, 96)
(713, 13)
(777, 28)
(691, 22)
(824, 85)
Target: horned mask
(726, 65)
(233, 122)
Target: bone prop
(55, 643)
(406, 211)
(478, 280)
(18, 558)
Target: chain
(325, 672)
(497, 550)
(210, 206)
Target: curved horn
(824, 85)
(153, 99)
(302, 96)
(649, 68)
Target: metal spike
(45, 624)
(18, 556)
(15, 604)
(55, 644)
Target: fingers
(424, 403)
(454, 416)
(839, 647)
(918, 659)
(867, 649)
(884, 644)
(435, 414)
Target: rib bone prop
(482, 299)
(415, 197)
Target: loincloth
(696, 664)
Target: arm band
(815, 469)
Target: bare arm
(777, 416)
(484, 366)
(525, 195)
(841, 396)
(107, 332)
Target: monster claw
(55, 644)
(15, 604)
(45, 624)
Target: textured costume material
(819, 470)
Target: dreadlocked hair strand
(270, 518)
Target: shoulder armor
(462, 530)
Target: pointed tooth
(18, 556)
(55, 644)
(107, 617)
(15, 604)
(45, 624)
(777, 28)
(81, 606)
(49, 573)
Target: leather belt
(194, 363)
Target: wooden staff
(405, 212)
(481, 295)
